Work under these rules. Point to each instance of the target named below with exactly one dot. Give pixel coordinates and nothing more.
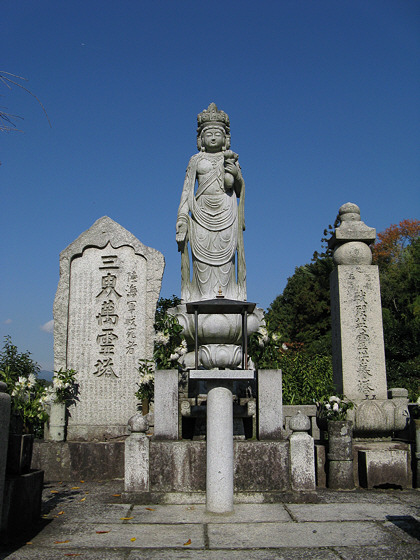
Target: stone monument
(357, 332)
(209, 233)
(214, 313)
(103, 324)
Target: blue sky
(323, 98)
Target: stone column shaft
(4, 440)
(219, 485)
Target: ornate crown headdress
(212, 116)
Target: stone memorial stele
(358, 344)
(209, 233)
(357, 331)
(104, 312)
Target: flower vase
(340, 455)
(145, 406)
(19, 450)
(57, 422)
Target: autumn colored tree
(391, 243)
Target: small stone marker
(103, 324)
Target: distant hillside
(48, 375)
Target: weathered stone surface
(105, 535)
(320, 466)
(302, 461)
(357, 333)
(379, 417)
(267, 535)
(138, 423)
(340, 475)
(300, 422)
(340, 440)
(349, 511)
(219, 448)
(383, 467)
(261, 466)
(71, 460)
(377, 446)
(270, 404)
(181, 466)
(55, 428)
(178, 466)
(136, 463)
(103, 324)
(21, 507)
(4, 438)
(166, 404)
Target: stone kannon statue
(209, 218)
(209, 233)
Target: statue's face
(213, 139)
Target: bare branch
(6, 116)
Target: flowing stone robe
(215, 227)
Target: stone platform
(93, 520)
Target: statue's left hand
(231, 168)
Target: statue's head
(213, 130)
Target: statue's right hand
(181, 232)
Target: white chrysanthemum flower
(183, 351)
(328, 406)
(58, 384)
(184, 343)
(162, 338)
(275, 337)
(22, 380)
(336, 408)
(174, 357)
(264, 333)
(335, 399)
(31, 380)
(284, 346)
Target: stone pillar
(270, 404)
(4, 439)
(417, 453)
(356, 312)
(340, 455)
(219, 485)
(302, 454)
(136, 463)
(166, 404)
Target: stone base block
(383, 451)
(21, 502)
(340, 475)
(72, 460)
(181, 466)
(384, 468)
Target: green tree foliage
(20, 363)
(306, 377)
(300, 316)
(397, 253)
(302, 313)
